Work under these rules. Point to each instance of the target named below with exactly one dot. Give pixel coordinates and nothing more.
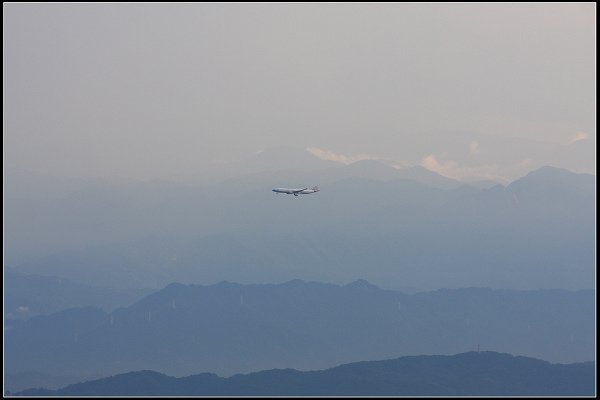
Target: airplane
(296, 192)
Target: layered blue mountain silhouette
(466, 374)
(231, 328)
(82, 247)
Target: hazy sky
(148, 90)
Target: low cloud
(23, 309)
(341, 158)
(525, 163)
(579, 136)
(451, 169)
(447, 169)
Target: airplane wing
(298, 191)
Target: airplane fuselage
(296, 192)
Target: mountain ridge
(467, 374)
(231, 328)
(26, 295)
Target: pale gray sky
(144, 90)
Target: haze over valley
(407, 228)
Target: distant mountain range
(466, 374)
(105, 243)
(370, 221)
(231, 328)
(29, 295)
